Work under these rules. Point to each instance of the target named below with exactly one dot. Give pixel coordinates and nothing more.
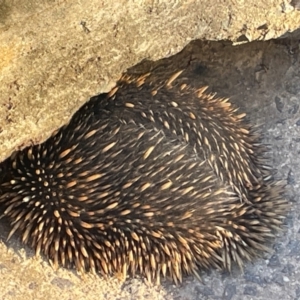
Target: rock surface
(54, 55)
(262, 78)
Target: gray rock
(54, 55)
(250, 290)
(229, 291)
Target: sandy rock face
(55, 54)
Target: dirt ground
(263, 79)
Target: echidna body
(158, 181)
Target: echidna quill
(162, 182)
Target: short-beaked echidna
(161, 181)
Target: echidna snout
(161, 182)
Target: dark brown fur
(157, 181)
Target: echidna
(158, 181)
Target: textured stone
(55, 54)
(250, 290)
(229, 292)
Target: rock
(56, 54)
